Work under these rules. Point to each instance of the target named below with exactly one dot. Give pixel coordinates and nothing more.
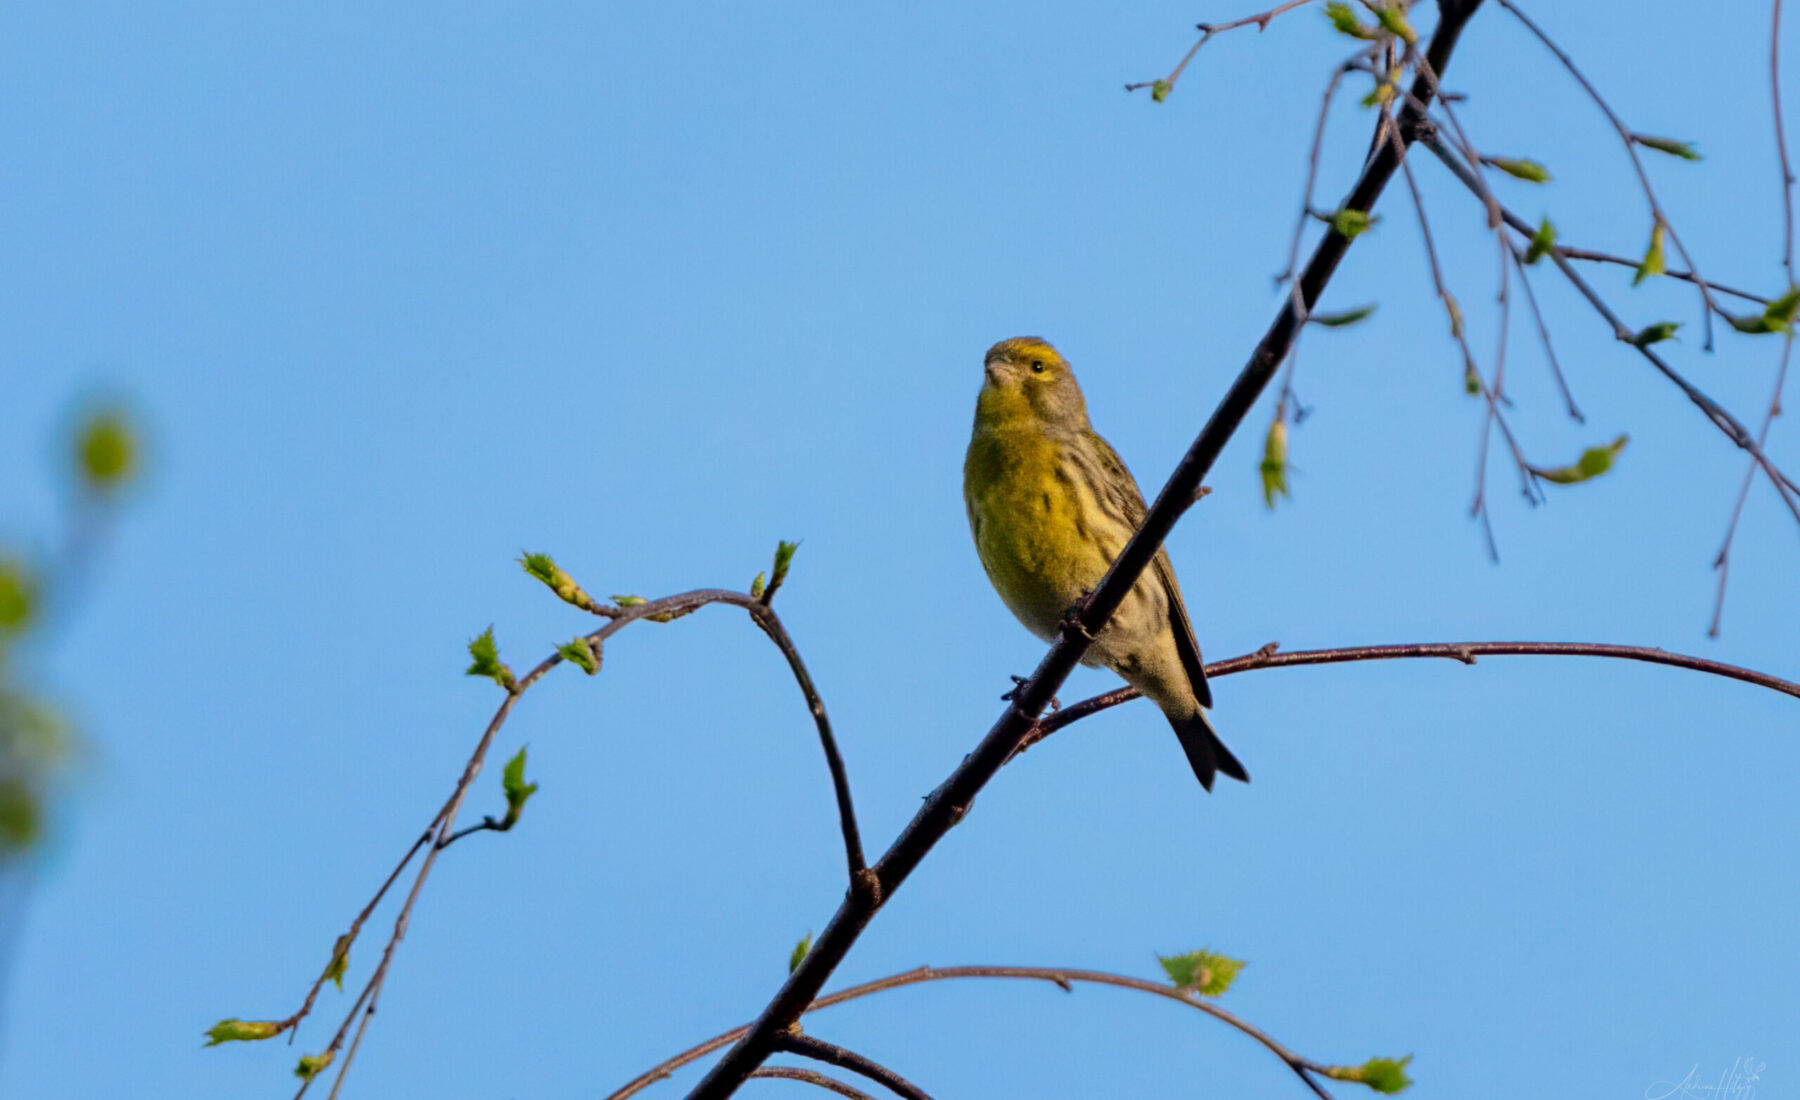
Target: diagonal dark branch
(820, 1051)
(950, 802)
(812, 1077)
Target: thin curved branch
(1207, 30)
(812, 1077)
(442, 832)
(1061, 977)
(947, 805)
(1592, 256)
(831, 1054)
(1466, 652)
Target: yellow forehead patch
(1023, 347)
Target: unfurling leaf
(544, 568)
(1274, 463)
(1159, 91)
(1392, 14)
(18, 596)
(106, 451)
(1653, 256)
(784, 557)
(1655, 334)
(1528, 170)
(518, 792)
(1349, 223)
(1593, 462)
(1386, 88)
(1343, 17)
(1683, 149)
(580, 654)
(234, 1030)
(1471, 379)
(629, 601)
(311, 1065)
(799, 953)
(1384, 1075)
(484, 656)
(1340, 320)
(756, 586)
(1203, 972)
(1541, 242)
(340, 961)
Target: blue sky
(402, 292)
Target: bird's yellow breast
(1027, 510)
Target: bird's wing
(1130, 499)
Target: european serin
(1051, 505)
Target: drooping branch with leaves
(1410, 108)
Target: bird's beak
(991, 369)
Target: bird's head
(1025, 376)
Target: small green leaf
(518, 792)
(1386, 88)
(1350, 223)
(1392, 15)
(1159, 91)
(1343, 17)
(1347, 317)
(1655, 334)
(106, 451)
(485, 660)
(1756, 324)
(311, 1065)
(1593, 462)
(580, 654)
(21, 811)
(1202, 971)
(1780, 313)
(799, 953)
(1528, 170)
(1541, 242)
(629, 601)
(1683, 149)
(235, 1030)
(18, 596)
(1274, 463)
(340, 961)
(1471, 379)
(1653, 256)
(1384, 1075)
(756, 587)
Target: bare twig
(1593, 256)
(1063, 978)
(1207, 30)
(1562, 384)
(812, 1077)
(947, 805)
(831, 1054)
(1723, 562)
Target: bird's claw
(1019, 683)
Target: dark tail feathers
(1205, 752)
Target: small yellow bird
(1051, 505)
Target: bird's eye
(1037, 366)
